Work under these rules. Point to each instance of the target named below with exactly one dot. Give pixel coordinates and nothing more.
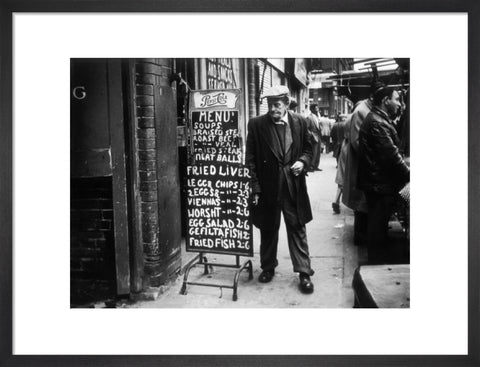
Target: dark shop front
(129, 156)
(125, 199)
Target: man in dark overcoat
(278, 153)
(315, 136)
(382, 171)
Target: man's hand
(256, 197)
(297, 168)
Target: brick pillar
(152, 77)
(253, 109)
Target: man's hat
(376, 86)
(277, 91)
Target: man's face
(393, 104)
(277, 108)
(315, 110)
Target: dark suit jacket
(381, 169)
(264, 157)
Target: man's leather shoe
(306, 285)
(266, 276)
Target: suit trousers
(316, 147)
(380, 209)
(296, 235)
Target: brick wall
(151, 75)
(92, 257)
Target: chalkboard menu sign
(217, 179)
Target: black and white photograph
(240, 182)
(229, 183)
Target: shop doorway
(99, 253)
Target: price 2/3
(241, 201)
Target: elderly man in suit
(278, 153)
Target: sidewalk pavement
(334, 259)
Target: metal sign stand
(201, 260)
(218, 177)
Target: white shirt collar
(283, 120)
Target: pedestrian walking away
(324, 122)
(342, 156)
(278, 154)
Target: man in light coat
(352, 196)
(278, 154)
(325, 133)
